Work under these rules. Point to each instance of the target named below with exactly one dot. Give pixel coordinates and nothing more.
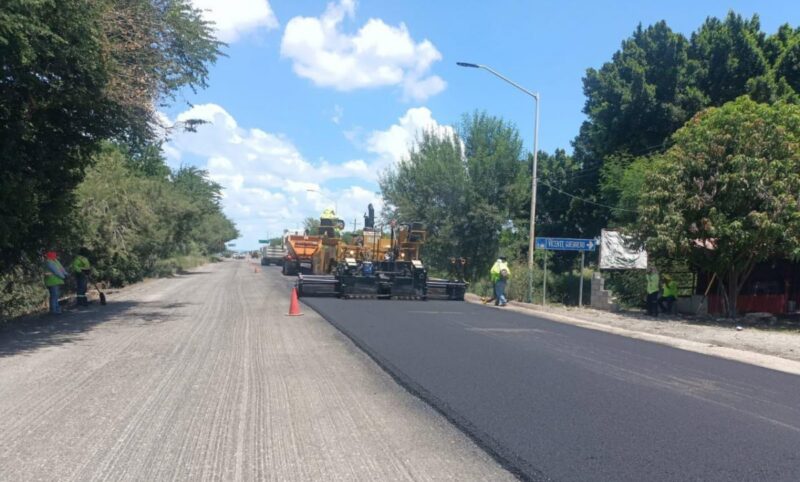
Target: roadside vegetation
(687, 140)
(82, 163)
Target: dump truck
(300, 252)
(380, 264)
(272, 255)
(313, 254)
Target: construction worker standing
(81, 268)
(328, 224)
(328, 213)
(652, 291)
(500, 273)
(54, 280)
(668, 295)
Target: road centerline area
(567, 403)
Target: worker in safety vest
(668, 295)
(54, 280)
(329, 213)
(81, 268)
(652, 291)
(499, 274)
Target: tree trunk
(732, 287)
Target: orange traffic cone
(294, 307)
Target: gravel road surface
(561, 402)
(202, 377)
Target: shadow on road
(28, 334)
(181, 272)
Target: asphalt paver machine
(381, 264)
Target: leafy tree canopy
(727, 194)
(462, 187)
(75, 73)
(656, 82)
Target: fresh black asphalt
(558, 402)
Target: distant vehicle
(272, 255)
(238, 256)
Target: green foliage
(464, 193)
(311, 226)
(731, 183)
(622, 183)
(51, 112)
(556, 173)
(629, 287)
(133, 224)
(562, 288)
(75, 73)
(21, 291)
(431, 187)
(654, 84)
(726, 56)
(643, 95)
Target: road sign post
(580, 286)
(564, 244)
(544, 280)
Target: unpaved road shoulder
(203, 377)
(777, 350)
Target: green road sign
(263, 241)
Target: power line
(584, 200)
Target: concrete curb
(758, 359)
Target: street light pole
(534, 172)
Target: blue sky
(322, 96)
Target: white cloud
(234, 18)
(393, 144)
(378, 55)
(265, 177)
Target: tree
(787, 64)
(51, 113)
(642, 95)
(493, 150)
(727, 58)
(430, 186)
(655, 83)
(727, 194)
(462, 187)
(131, 221)
(633, 104)
(622, 183)
(73, 74)
(311, 225)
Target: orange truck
(300, 252)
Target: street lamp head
(467, 64)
